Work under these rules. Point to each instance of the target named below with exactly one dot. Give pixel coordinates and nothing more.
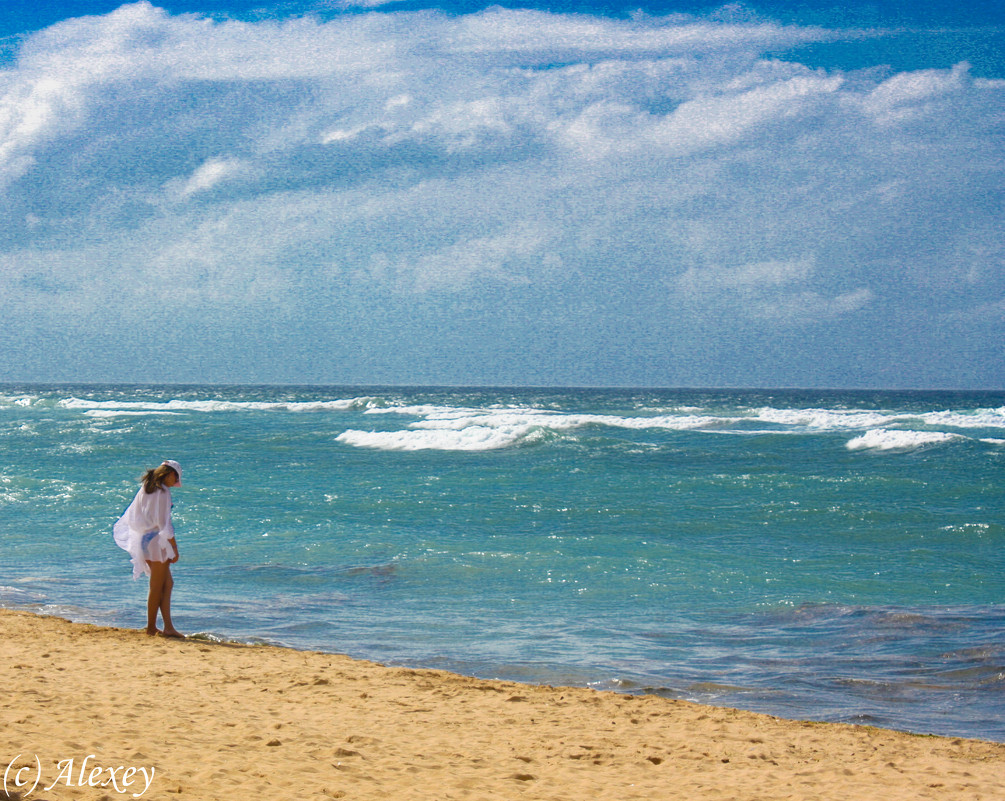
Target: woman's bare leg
(159, 599)
(158, 574)
(165, 606)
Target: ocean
(819, 555)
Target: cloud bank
(500, 197)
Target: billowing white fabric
(149, 513)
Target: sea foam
(457, 429)
(470, 438)
(882, 439)
(824, 419)
(979, 418)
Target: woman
(146, 532)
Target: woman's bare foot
(153, 632)
(173, 633)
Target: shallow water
(823, 555)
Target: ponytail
(153, 480)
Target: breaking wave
(453, 429)
(882, 439)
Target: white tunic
(145, 530)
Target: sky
(574, 193)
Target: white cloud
(812, 307)
(494, 260)
(538, 35)
(209, 174)
(990, 313)
(725, 119)
(33, 112)
(138, 42)
(773, 291)
(908, 94)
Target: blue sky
(574, 193)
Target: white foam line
(886, 440)
(471, 438)
(125, 413)
(218, 406)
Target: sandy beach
(91, 712)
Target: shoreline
(89, 617)
(225, 720)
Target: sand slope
(236, 723)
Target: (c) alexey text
(25, 775)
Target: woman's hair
(153, 480)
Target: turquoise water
(822, 555)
